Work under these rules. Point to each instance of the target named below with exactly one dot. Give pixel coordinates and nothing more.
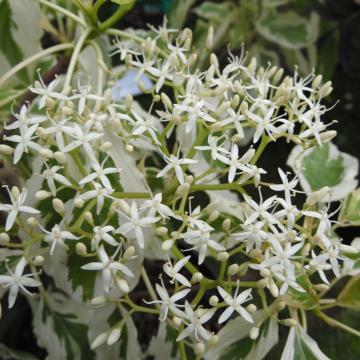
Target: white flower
(286, 186)
(99, 194)
(50, 175)
(100, 173)
(264, 123)
(175, 163)
(83, 95)
(235, 162)
(59, 128)
(102, 233)
(16, 280)
(173, 271)
(200, 239)
(319, 263)
(195, 324)
(156, 206)
(253, 235)
(16, 206)
(261, 209)
(234, 304)
(213, 147)
(25, 119)
(83, 137)
(108, 266)
(169, 302)
(46, 92)
(57, 236)
(146, 125)
(136, 223)
(24, 141)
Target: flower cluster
(110, 180)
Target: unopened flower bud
(251, 308)
(305, 250)
(79, 203)
(199, 348)
(197, 277)
(129, 252)
(235, 101)
(124, 206)
(99, 340)
(177, 321)
(189, 179)
(31, 221)
(166, 101)
(318, 196)
(167, 244)
(254, 333)
(280, 306)
(213, 216)
(98, 300)
(4, 238)
(265, 272)
(39, 260)
(321, 287)
(316, 81)
(128, 102)
(42, 195)
(161, 231)
(175, 234)
(326, 89)
(15, 192)
(80, 248)
(243, 269)
(213, 340)
(232, 269)
(114, 336)
(214, 300)
(328, 135)
(88, 217)
(60, 157)
(278, 75)
(262, 283)
(129, 148)
(288, 322)
(123, 285)
(6, 149)
(46, 153)
(106, 146)
(348, 249)
(252, 65)
(210, 37)
(226, 224)
(183, 189)
(274, 290)
(222, 256)
(58, 206)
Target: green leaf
(60, 327)
(320, 170)
(350, 296)
(287, 29)
(123, 2)
(248, 349)
(8, 45)
(350, 209)
(300, 346)
(77, 276)
(214, 12)
(325, 166)
(164, 345)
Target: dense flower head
(110, 181)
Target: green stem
(21, 65)
(131, 195)
(332, 322)
(74, 59)
(63, 11)
(118, 14)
